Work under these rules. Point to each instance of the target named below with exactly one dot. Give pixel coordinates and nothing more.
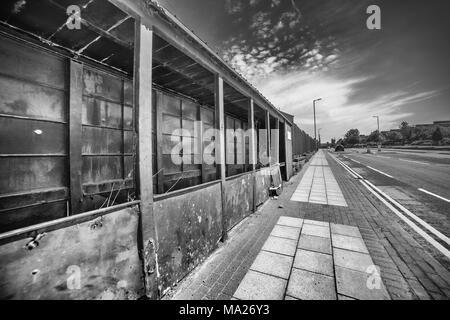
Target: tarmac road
(420, 181)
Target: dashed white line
(413, 161)
(387, 175)
(433, 194)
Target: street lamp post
(378, 135)
(315, 125)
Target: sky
(295, 51)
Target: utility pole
(315, 125)
(378, 135)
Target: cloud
(336, 113)
(233, 6)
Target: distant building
(290, 117)
(442, 123)
(425, 126)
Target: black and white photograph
(223, 158)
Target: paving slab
(345, 230)
(285, 232)
(355, 284)
(281, 246)
(290, 222)
(317, 231)
(307, 285)
(314, 262)
(349, 243)
(259, 286)
(273, 264)
(313, 243)
(352, 260)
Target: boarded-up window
(108, 140)
(178, 143)
(185, 131)
(236, 149)
(33, 131)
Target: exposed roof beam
(91, 26)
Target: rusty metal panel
(189, 228)
(33, 144)
(97, 169)
(101, 141)
(92, 260)
(23, 136)
(177, 113)
(102, 85)
(18, 60)
(238, 199)
(108, 139)
(18, 174)
(20, 98)
(31, 215)
(98, 112)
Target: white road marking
(433, 242)
(433, 194)
(387, 175)
(413, 161)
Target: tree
(404, 125)
(437, 135)
(352, 136)
(405, 130)
(333, 142)
(373, 136)
(394, 136)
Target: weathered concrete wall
(262, 185)
(238, 199)
(189, 226)
(92, 260)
